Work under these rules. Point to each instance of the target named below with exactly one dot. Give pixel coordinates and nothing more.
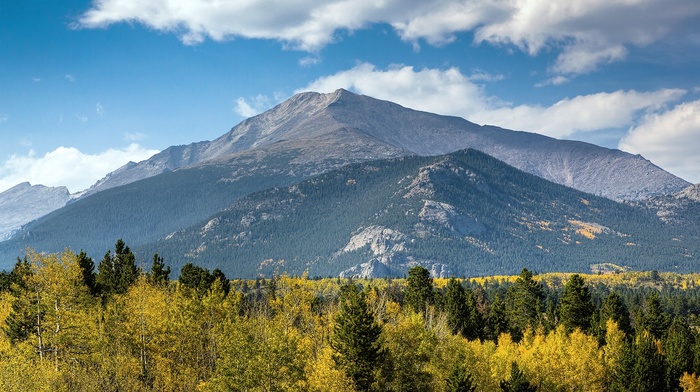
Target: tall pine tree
(576, 307)
(355, 339)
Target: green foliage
(356, 339)
(575, 306)
(614, 309)
(419, 289)
(517, 381)
(459, 380)
(87, 266)
(160, 274)
(678, 351)
(463, 317)
(116, 273)
(524, 303)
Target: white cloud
(450, 92)
(99, 109)
(670, 139)
(257, 105)
(67, 166)
(81, 118)
(3, 117)
(585, 34)
(70, 78)
(36, 80)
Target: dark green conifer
(524, 304)
(517, 382)
(160, 274)
(355, 339)
(576, 307)
(419, 289)
(87, 266)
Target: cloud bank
(671, 139)
(67, 166)
(452, 93)
(666, 134)
(584, 34)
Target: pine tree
(160, 274)
(459, 380)
(21, 320)
(524, 304)
(116, 273)
(649, 369)
(576, 307)
(517, 382)
(87, 266)
(419, 289)
(497, 321)
(655, 320)
(614, 309)
(355, 339)
(678, 350)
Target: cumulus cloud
(584, 34)
(250, 107)
(67, 166)
(670, 139)
(450, 92)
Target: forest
(71, 324)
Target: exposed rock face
(391, 257)
(674, 209)
(443, 215)
(23, 203)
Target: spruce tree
(355, 339)
(655, 320)
(517, 382)
(576, 307)
(678, 350)
(87, 266)
(459, 380)
(419, 289)
(524, 304)
(614, 309)
(21, 320)
(160, 274)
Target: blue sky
(86, 86)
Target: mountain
(25, 202)
(305, 136)
(465, 213)
(307, 118)
(680, 209)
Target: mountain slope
(25, 202)
(601, 171)
(462, 213)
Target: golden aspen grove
(296, 334)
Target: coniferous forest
(71, 323)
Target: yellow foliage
(690, 382)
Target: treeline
(69, 327)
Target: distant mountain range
(25, 202)
(152, 202)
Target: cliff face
(25, 202)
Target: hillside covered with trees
(71, 324)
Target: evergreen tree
(419, 289)
(517, 382)
(654, 319)
(576, 307)
(497, 321)
(459, 380)
(125, 268)
(355, 339)
(524, 303)
(160, 274)
(116, 273)
(456, 306)
(678, 350)
(219, 275)
(196, 278)
(87, 266)
(649, 369)
(614, 309)
(20, 322)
